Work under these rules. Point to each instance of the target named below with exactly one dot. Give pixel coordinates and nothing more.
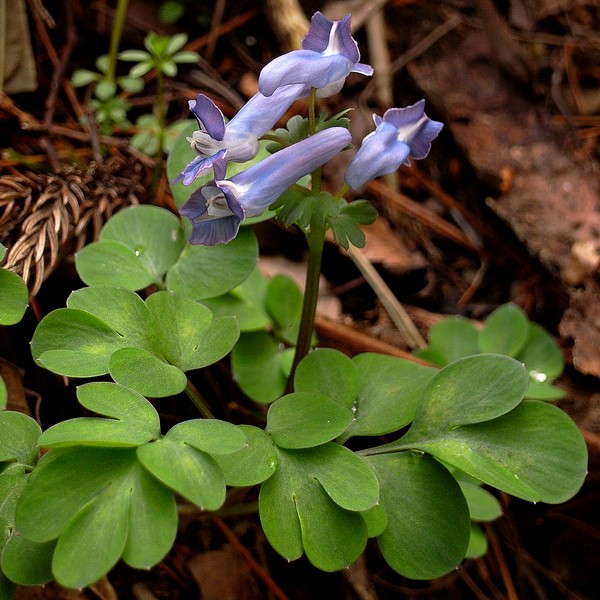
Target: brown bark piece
(553, 200)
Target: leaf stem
(193, 394)
(115, 39)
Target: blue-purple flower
(217, 209)
(401, 134)
(236, 141)
(329, 54)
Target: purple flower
(329, 54)
(236, 141)
(217, 209)
(401, 134)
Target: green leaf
(154, 238)
(111, 262)
(453, 338)
(3, 395)
(186, 57)
(199, 272)
(257, 362)
(309, 505)
(101, 504)
(328, 372)
(18, 438)
(134, 55)
(209, 435)
(478, 545)
(105, 89)
(82, 77)
(245, 302)
(471, 390)
(146, 373)
(534, 452)
(13, 297)
(183, 459)
(2, 252)
(376, 520)
(306, 419)
(26, 562)
(186, 333)
(192, 473)
(283, 302)
(175, 43)
(389, 393)
(505, 331)
(171, 11)
(482, 505)
(252, 464)
(74, 343)
(121, 309)
(544, 362)
(428, 520)
(345, 226)
(133, 420)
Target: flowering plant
(156, 309)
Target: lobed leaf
(306, 419)
(301, 505)
(101, 504)
(505, 331)
(427, 531)
(199, 272)
(133, 420)
(258, 363)
(252, 464)
(14, 297)
(329, 372)
(389, 393)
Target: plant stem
(316, 240)
(193, 394)
(161, 115)
(115, 39)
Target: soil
(506, 208)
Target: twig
(509, 585)
(61, 66)
(379, 55)
(215, 25)
(255, 567)
(396, 311)
(360, 342)
(414, 209)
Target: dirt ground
(505, 208)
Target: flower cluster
(328, 55)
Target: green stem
(312, 119)
(115, 39)
(316, 240)
(160, 108)
(193, 394)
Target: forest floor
(506, 208)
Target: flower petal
(197, 167)
(217, 231)
(420, 145)
(209, 116)
(380, 154)
(303, 66)
(266, 181)
(331, 37)
(261, 113)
